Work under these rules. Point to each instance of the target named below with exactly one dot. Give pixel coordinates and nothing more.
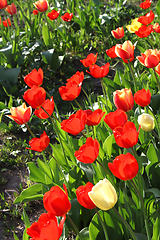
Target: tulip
(146, 19)
(53, 14)
(146, 4)
(77, 78)
(56, 201)
(41, 5)
(103, 195)
(124, 167)
(116, 118)
(157, 69)
(99, 72)
(118, 33)
(48, 105)
(125, 51)
(83, 197)
(111, 52)
(144, 31)
(7, 22)
(150, 58)
(142, 97)
(123, 99)
(34, 78)
(3, 4)
(35, 12)
(90, 60)
(134, 26)
(35, 96)
(11, 9)
(126, 136)
(146, 121)
(156, 27)
(94, 117)
(67, 17)
(70, 92)
(46, 228)
(21, 114)
(88, 152)
(76, 122)
(39, 144)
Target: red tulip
(126, 136)
(53, 14)
(156, 27)
(46, 228)
(75, 124)
(11, 9)
(146, 19)
(21, 114)
(118, 33)
(124, 167)
(144, 31)
(150, 58)
(41, 5)
(34, 78)
(123, 99)
(99, 72)
(157, 69)
(7, 22)
(3, 4)
(39, 144)
(142, 97)
(88, 152)
(35, 12)
(56, 201)
(70, 91)
(116, 118)
(35, 96)
(90, 60)
(94, 117)
(67, 17)
(125, 51)
(48, 105)
(146, 4)
(83, 197)
(77, 78)
(111, 52)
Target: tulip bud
(104, 195)
(146, 121)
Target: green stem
(83, 134)
(103, 225)
(74, 226)
(156, 79)
(88, 98)
(126, 224)
(78, 103)
(134, 79)
(30, 130)
(104, 94)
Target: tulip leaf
(59, 156)
(52, 58)
(158, 8)
(15, 236)
(46, 169)
(155, 191)
(156, 227)
(10, 75)
(45, 35)
(27, 225)
(107, 145)
(84, 234)
(140, 236)
(36, 174)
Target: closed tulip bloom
(76, 123)
(48, 105)
(125, 51)
(53, 14)
(35, 96)
(124, 167)
(21, 114)
(146, 4)
(146, 121)
(157, 69)
(70, 92)
(146, 19)
(156, 27)
(142, 97)
(46, 228)
(67, 17)
(77, 78)
(35, 12)
(56, 201)
(116, 118)
(94, 117)
(123, 99)
(126, 136)
(90, 60)
(118, 33)
(150, 58)
(3, 4)
(103, 195)
(99, 72)
(134, 26)
(11, 9)
(34, 78)
(41, 5)
(144, 31)
(88, 152)
(39, 144)
(7, 22)
(83, 197)
(111, 52)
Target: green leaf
(155, 191)
(36, 174)
(45, 168)
(84, 234)
(2, 106)
(27, 225)
(10, 75)
(52, 58)
(15, 236)
(156, 227)
(107, 145)
(140, 236)
(59, 156)
(3, 126)
(158, 8)
(155, 99)
(45, 35)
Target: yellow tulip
(134, 26)
(146, 121)
(103, 195)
